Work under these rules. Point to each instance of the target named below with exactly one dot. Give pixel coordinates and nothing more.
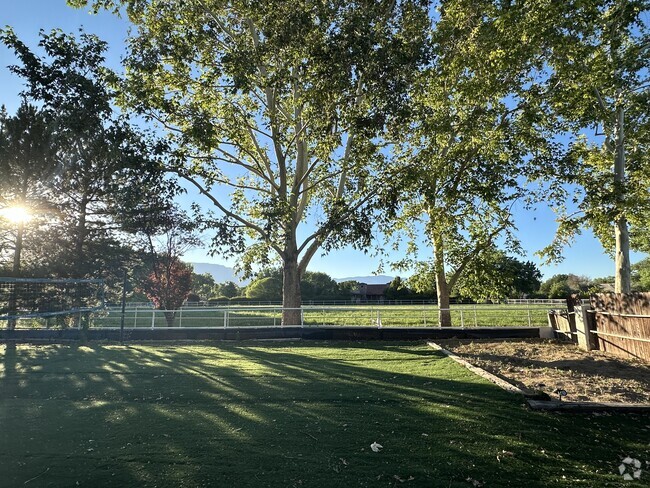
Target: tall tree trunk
(80, 239)
(442, 288)
(291, 296)
(622, 278)
(15, 272)
(18, 249)
(169, 317)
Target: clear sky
(27, 17)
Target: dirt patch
(548, 365)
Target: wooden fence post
(583, 324)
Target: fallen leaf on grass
(376, 447)
(402, 480)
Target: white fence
(533, 315)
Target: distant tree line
(506, 277)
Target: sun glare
(16, 215)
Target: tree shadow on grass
(281, 414)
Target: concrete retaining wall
(244, 333)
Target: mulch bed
(541, 365)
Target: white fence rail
(312, 316)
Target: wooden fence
(564, 325)
(620, 324)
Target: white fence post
(180, 318)
(135, 318)
(153, 318)
(225, 319)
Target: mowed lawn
(288, 414)
(360, 315)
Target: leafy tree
(563, 285)
(168, 284)
(423, 280)
(560, 290)
(597, 56)
(203, 285)
(397, 290)
(641, 275)
(496, 275)
(319, 286)
(265, 289)
(284, 104)
(229, 289)
(28, 166)
(346, 288)
(468, 145)
(100, 170)
(163, 239)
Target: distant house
(370, 293)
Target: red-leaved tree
(168, 285)
(164, 237)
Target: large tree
(597, 59)
(282, 103)
(468, 145)
(28, 166)
(98, 171)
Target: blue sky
(536, 228)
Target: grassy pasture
(287, 414)
(387, 316)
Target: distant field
(290, 414)
(369, 316)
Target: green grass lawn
(287, 414)
(387, 315)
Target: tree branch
(227, 212)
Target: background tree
(203, 285)
(319, 286)
(347, 288)
(229, 289)
(641, 275)
(163, 240)
(28, 166)
(563, 285)
(495, 275)
(99, 170)
(168, 284)
(423, 279)
(283, 104)
(265, 289)
(397, 290)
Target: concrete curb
(503, 384)
(247, 333)
(588, 407)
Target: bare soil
(539, 365)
